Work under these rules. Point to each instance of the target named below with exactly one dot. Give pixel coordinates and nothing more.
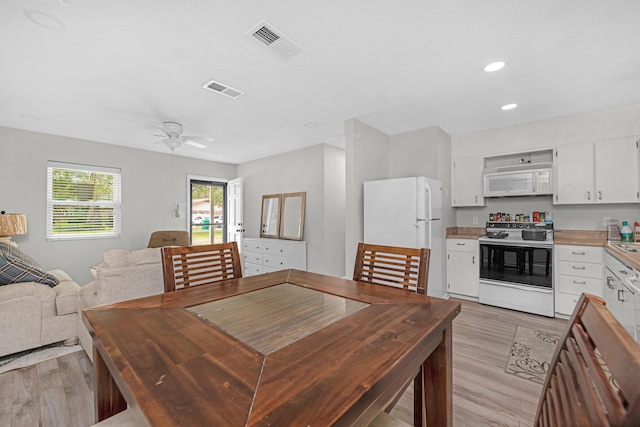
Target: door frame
(207, 179)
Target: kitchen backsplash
(567, 217)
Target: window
(83, 202)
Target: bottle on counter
(636, 232)
(626, 233)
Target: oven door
(525, 263)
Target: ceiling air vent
(274, 40)
(225, 90)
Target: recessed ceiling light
(311, 125)
(509, 107)
(44, 20)
(495, 66)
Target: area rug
(36, 355)
(531, 353)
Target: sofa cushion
(14, 270)
(18, 253)
(124, 258)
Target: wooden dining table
(288, 348)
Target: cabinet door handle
(599, 195)
(578, 253)
(609, 280)
(461, 244)
(476, 199)
(579, 282)
(588, 195)
(578, 268)
(473, 260)
(623, 272)
(620, 295)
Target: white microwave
(523, 183)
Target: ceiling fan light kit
(175, 139)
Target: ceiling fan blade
(198, 138)
(194, 144)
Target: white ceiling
(109, 71)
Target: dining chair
(393, 266)
(185, 266)
(594, 376)
(406, 268)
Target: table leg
(438, 384)
(108, 399)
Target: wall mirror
(270, 217)
(292, 217)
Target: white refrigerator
(406, 212)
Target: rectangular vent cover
(274, 40)
(222, 89)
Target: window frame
(115, 204)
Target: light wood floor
(483, 393)
(58, 393)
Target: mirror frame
(300, 218)
(265, 199)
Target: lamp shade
(12, 224)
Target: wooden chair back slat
(197, 265)
(392, 266)
(594, 374)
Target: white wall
(373, 155)
(152, 184)
(317, 170)
(547, 134)
(367, 151)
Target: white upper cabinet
(618, 170)
(607, 171)
(467, 181)
(574, 174)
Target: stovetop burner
(534, 233)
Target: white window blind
(83, 202)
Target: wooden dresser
(267, 255)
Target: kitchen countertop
(580, 237)
(632, 259)
(465, 232)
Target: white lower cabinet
(267, 255)
(578, 269)
(463, 274)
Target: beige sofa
(122, 275)
(33, 314)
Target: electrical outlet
(605, 220)
(475, 220)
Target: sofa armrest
(66, 295)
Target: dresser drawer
(252, 269)
(580, 269)
(253, 258)
(591, 254)
(578, 285)
(275, 261)
(275, 249)
(251, 246)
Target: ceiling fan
(175, 138)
